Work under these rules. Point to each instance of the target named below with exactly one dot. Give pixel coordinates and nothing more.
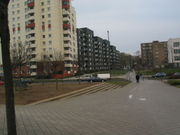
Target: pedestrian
(137, 78)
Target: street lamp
(109, 54)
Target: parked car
(159, 75)
(175, 76)
(93, 79)
(1, 83)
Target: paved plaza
(148, 108)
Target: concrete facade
(154, 54)
(96, 53)
(48, 26)
(174, 52)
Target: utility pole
(109, 54)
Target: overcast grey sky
(130, 22)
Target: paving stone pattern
(148, 108)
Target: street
(148, 108)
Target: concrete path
(148, 108)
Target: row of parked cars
(162, 74)
(95, 78)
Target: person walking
(137, 78)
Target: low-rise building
(174, 52)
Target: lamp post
(109, 54)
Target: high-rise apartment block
(95, 53)
(48, 26)
(174, 52)
(154, 55)
(85, 50)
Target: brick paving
(148, 108)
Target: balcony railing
(31, 25)
(66, 26)
(66, 6)
(30, 4)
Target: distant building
(174, 52)
(154, 54)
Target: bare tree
(20, 56)
(44, 66)
(51, 63)
(5, 42)
(57, 62)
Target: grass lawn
(168, 71)
(174, 83)
(119, 81)
(39, 91)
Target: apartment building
(98, 53)
(95, 53)
(85, 50)
(174, 52)
(48, 26)
(154, 54)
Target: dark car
(175, 76)
(159, 75)
(93, 79)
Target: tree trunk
(5, 42)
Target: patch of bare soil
(37, 92)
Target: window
(49, 15)
(18, 18)
(44, 36)
(50, 42)
(177, 57)
(176, 44)
(42, 3)
(42, 10)
(176, 51)
(49, 35)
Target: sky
(130, 22)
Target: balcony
(43, 27)
(67, 31)
(66, 19)
(67, 38)
(33, 67)
(66, 26)
(68, 65)
(66, 6)
(31, 25)
(67, 51)
(30, 5)
(68, 58)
